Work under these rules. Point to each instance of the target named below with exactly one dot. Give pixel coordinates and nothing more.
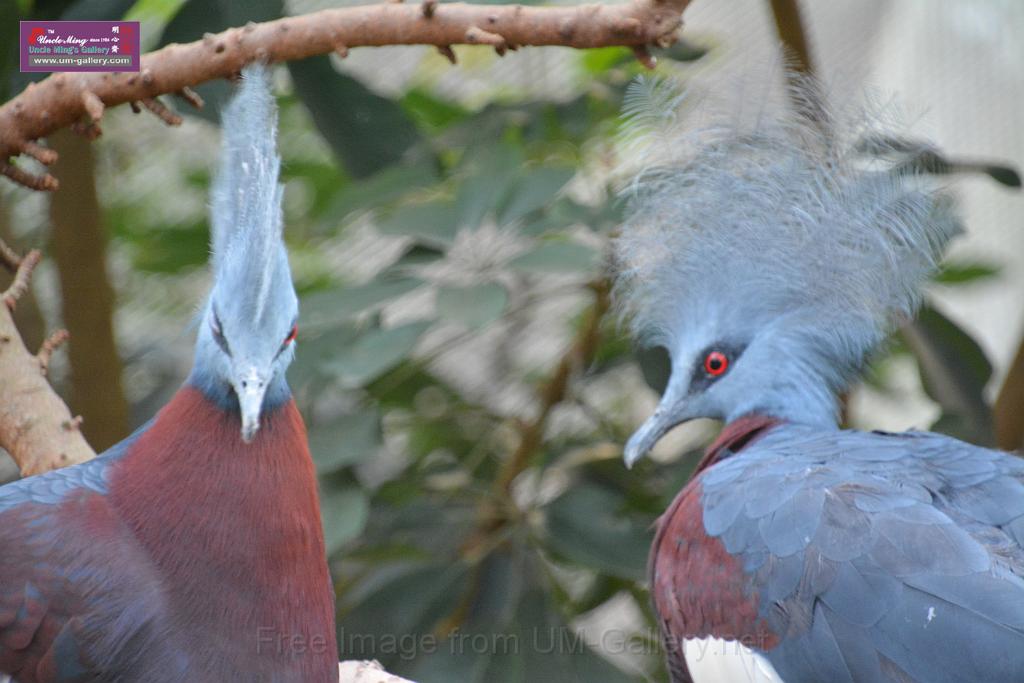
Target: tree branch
(79, 100)
(36, 428)
(531, 434)
(78, 247)
(1008, 412)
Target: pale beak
(250, 390)
(671, 411)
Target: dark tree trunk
(78, 245)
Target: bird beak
(671, 411)
(650, 433)
(250, 390)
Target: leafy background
(466, 389)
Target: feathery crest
(779, 226)
(246, 195)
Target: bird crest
(248, 251)
(776, 225)
(245, 345)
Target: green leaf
(1004, 175)
(584, 525)
(315, 349)
(332, 306)
(415, 256)
(343, 512)
(954, 371)
(374, 192)
(10, 14)
(376, 352)
(536, 189)
(432, 113)
(472, 306)
(172, 249)
(97, 10)
(958, 273)
(602, 59)
(408, 604)
(431, 223)
(557, 257)
(346, 440)
(366, 131)
(491, 172)
(914, 156)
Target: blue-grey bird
(770, 261)
(193, 550)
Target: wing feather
(876, 557)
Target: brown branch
(41, 154)
(790, 27)
(192, 97)
(44, 182)
(36, 428)
(9, 257)
(552, 392)
(531, 433)
(51, 344)
(792, 31)
(78, 246)
(93, 106)
(1008, 412)
(644, 56)
(22, 275)
(66, 98)
(448, 53)
(160, 110)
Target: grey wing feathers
(51, 487)
(878, 557)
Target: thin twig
(43, 155)
(9, 257)
(448, 53)
(44, 182)
(531, 433)
(21, 278)
(51, 344)
(160, 110)
(33, 420)
(192, 97)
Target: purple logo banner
(79, 46)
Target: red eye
(291, 335)
(716, 363)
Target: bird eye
(716, 363)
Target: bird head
(249, 324)
(768, 262)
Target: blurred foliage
(419, 382)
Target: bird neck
(806, 405)
(190, 485)
(790, 381)
(219, 392)
(735, 436)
